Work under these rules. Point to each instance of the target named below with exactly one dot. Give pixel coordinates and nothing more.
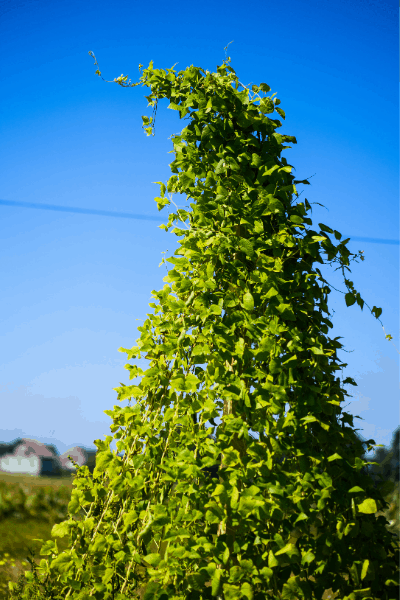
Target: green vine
(241, 475)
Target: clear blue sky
(74, 285)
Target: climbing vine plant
(237, 473)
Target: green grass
(34, 482)
(19, 529)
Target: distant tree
(387, 459)
(91, 459)
(242, 374)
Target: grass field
(36, 482)
(18, 532)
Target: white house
(29, 457)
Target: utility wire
(82, 211)
(124, 215)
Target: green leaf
(307, 557)
(335, 456)
(292, 590)
(60, 529)
(392, 582)
(248, 504)
(240, 347)
(153, 559)
(129, 391)
(234, 497)
(266, 572)
(256, 160)
(219, 490)
(364, 569)
(287, 312)
(103, 461)
(74, 503)
(152, 591)
(309, 419)
(247, 247)
(201, 349)
(130, 517)
(275, 206)
(325, 228)
(163, 187)
(350, 299)
(272, 561)
(271, 292)
(350, 381)
(368, 506)
(231, 592)
(246, 591)
(258, 227)
(302, 516)
(248, 301)
(109, 573)
(215, 309)
(225, 556)
(216, 582)
(185, 384)
(220, 168)
(63, 562)
(377, 312)
(50, 546)
(316, 350)
(99, 544)
(289, 549)
(186, 179)
(231, 457)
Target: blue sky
(75, 285)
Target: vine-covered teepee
(241, 475)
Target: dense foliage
(242, 477)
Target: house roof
(28, 446)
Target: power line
(82, 211)
(124, 215)
(355, 238)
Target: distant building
(29, 457)
(81, 456)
